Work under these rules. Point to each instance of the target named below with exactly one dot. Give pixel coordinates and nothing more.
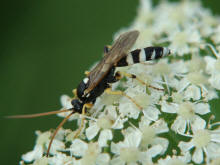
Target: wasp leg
(74, 92)
(83, 118)
(109, 91)
(86, 73)
(107, 48)
(119, 75)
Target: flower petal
(198, 156)
(104, 136)
(115, 148)
(33, 155)
(210, 64)
(128, 108)
(154, 151)
(213, 150)
(78, 147)
(133, 138)
(185, 146)
(151, 113)
(160, 126)
(92, 130)
(215, 137)
(179, 125)
(192, 92)
(202, 108)
(103, 159)
(169, 108)
(60, 159)
(66, 102)
(56, 146)
(197, 123)
(163, 142)
(117, 161)
(215, 81)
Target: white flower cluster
(175, 125)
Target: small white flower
(161, 68)
(90, 153)
(170, 16)
(106, 99)
(78, 147)
(127, 151)
(187, 115)
(44, 140)
(183, 159)
(56, 146)
(93, 156)
(144, 15)
(128, 108)
(37, 153)
(196, 64)
(181, 39)
(61, 159)
(42, 137)
(205, 142)
(196, 82)
(107, 120)
(147, 102)
(41, 161)
(213, 68)
(150, 134)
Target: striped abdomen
(141, 55)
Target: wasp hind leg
(109, 91)
(119, 75)
(83, 119)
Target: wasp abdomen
(152, 53)
(142, 55)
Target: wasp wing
(119, 49)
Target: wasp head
(77, 105)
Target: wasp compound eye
(77, 106)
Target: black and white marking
(142, 55)
(86, 80)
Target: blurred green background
(45, 48)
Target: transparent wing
(119, 49)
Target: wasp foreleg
(74, 93)
(83, 119)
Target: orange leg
(120, 74)
(83, 119)
(109, 91)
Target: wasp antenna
(38, 114)
(57, 129)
